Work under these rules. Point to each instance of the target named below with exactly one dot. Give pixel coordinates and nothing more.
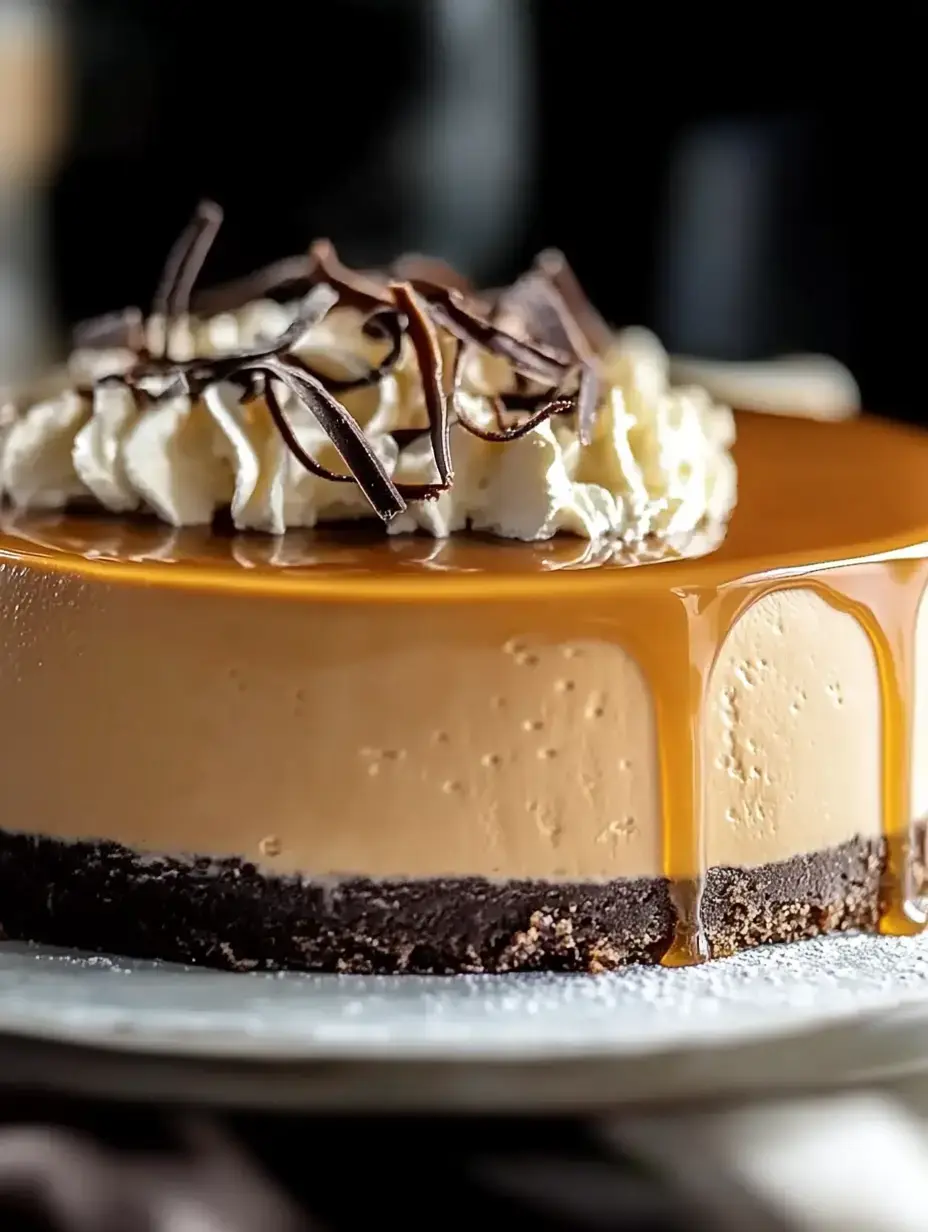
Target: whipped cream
(658, 463)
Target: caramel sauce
(841, 509)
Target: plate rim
(234, 1044)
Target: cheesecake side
(482, 795)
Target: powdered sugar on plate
(152, 1007)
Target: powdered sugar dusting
(755, 995)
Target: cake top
(812, 494)
(311, 393)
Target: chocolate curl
(535, 361)
(587, 401)
(559, 406)
(532, 308)
(353, 446)
(172, 299)
(539, 306)
(547, 301)
(431, 371)
(356, 290)
(291, 440)
(554, 406)
(267, 364)
(185, 261)
(554, 266)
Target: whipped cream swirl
(658, 462)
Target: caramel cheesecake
(370, 623)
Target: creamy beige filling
(497, 739)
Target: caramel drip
(885, 599)
(677, 637)
(670, 635)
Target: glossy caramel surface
(809, 494)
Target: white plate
(834, 1010)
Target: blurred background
(745, 189)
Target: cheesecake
(368, 622)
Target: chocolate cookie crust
(226, 914)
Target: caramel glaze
(841, 509)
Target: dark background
(745, 184)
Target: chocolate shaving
(542, 325)
(554, 265)
(364, 467)
(535, 361)
(356, 290)
(353, 446)
(257, 371)
(537, 306)
(503, 432)
(254, 369)
(587, 402)
(292, 440)
(532, 308)
(558, 406)
(185, 261)
(431, 369)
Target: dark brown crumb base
(105, 898)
